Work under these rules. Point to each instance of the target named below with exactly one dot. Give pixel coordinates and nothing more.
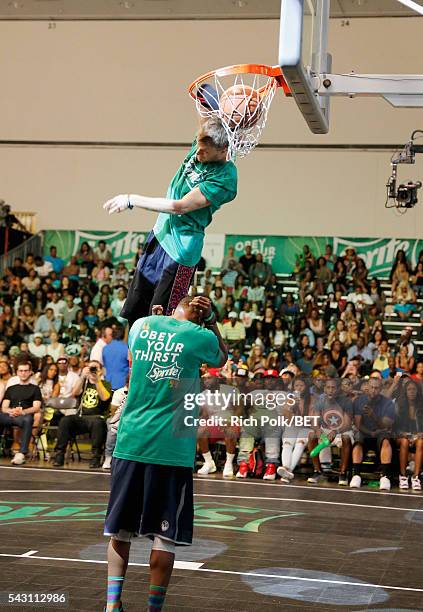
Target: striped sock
(156, 597)
(114, 592)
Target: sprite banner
(123, 245)
(282, 251)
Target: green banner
(282, 251)
(123, 245)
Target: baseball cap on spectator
(258, 373)
(37, 335)
(233, 314)
(214, 372)
(62, 359)
(286, 371)
(270, 374)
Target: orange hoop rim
(274, 72)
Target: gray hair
(212, 130)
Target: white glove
(117, 204)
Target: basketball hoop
(240, 96)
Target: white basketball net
(245, 130)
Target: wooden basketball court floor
(257, 546)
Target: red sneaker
(242, 470)
(270, 473)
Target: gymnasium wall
(125, 81)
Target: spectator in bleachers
(218, 297)
(55, 348)
(230, 257)
(338, 356)
(295, 439)
(49, 382)
(21, 402)
(56, 262)
(85, 258)
(261, 269)
(32, 281)
(306, 362)
(69, 311)
(304, 258)
(377, 417)
(118, 302)
(104, 336)
(377, 295)
(339, 333)
(42, 267)
(289, 308)
(115, 359)
(69, 381)
(417, 278)
(27, 319)
(256, 360)
(350, 259)
(120, 275)
(337, 419)
(316, 323)
(18, 269)
(36, 346)
(381, 359)
(405, 338)
(240, 292)
(277, 335)
(323, 276)
(100, 273)
(362, 350)
(307, 286)
(116, 406)
(340, 275)
(94, 405)
(229, 276)
(102, 253)
(408, 429)
(256, 292)
(234, 332)
(403, 362)
(46, 323)
(322, 363)
(247, 260)
(57, 304)
(72, 269)
(418, 374)
(404, 300)
(353, 332)
(359, 273)
(29, 262)
(400, 258)
(400, 275)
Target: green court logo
(213, 515)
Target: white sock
(230, 458)
(296, 455)
(208, 458)
(286, 453)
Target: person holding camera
(93, 408)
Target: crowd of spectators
(62, 344)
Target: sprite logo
(158, 372)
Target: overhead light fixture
(412, 5)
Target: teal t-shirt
(165, 378)
(182, 236)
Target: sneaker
(355, 482)
(416, 485)
(95, 462)
(59, 460)
(242, 470)
(207, 468)
(284, 473)
(18, 459)
(315, 478)
(285, 480)
(403, 482)
(270, 473)
(343, 480)
(228, 470)
(385, 484)
(107, 464)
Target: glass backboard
(303, 54)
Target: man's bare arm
(194, 200)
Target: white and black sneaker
(416, 485)
(315, 478)
(207, 468)
(403, 482)
(18, 459)
(284, 473)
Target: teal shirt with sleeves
(182, 236)
(165, 381)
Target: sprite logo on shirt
(158, 372)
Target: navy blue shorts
(151, 500)
(158, 279)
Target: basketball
(239, 105)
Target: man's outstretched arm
(191, 201)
